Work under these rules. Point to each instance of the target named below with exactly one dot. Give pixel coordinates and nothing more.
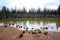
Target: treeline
(6, 13)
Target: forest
(13, 13)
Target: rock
(21, 35)
(45, 33)
(33, 32)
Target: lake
(51, 24)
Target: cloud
(53, 4)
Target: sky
(28, 4)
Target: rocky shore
(10, 33)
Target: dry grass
(10, 33)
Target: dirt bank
(10, 33)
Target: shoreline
(22, 19)
(47, 27)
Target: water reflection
(51, 26)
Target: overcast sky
(28, 4)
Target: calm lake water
(53, 24)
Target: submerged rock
(45, 33)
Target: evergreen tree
(59, 10)
(38, 11)
(4, 10)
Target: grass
(30, 19)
